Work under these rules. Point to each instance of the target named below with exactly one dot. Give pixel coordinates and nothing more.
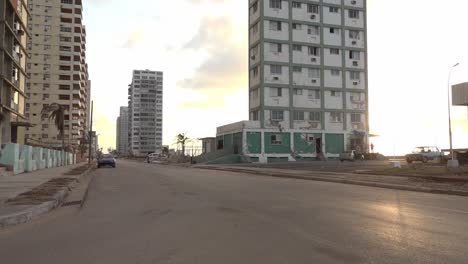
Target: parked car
(424, 154)
(106, 160)
(351, 156)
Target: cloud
(198, 2)
(135, 38)
(226, 65)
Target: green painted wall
(254, 142)
(228, 141)
(237, 142)
(217, 140)
(284, 148)
(334, 143)
(301, 145)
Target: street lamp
(452, 162)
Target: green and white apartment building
(308, 92)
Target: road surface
(146, 213)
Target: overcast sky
(201, 46)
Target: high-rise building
(13, 55)
(122, 131)
(145, 105)
(307, 80)
(58, 71)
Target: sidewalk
(419, 184)
(26, 196)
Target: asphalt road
(146, 213)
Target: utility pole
(90, 134)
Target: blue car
(106, 160)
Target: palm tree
(182, 139)
(56, 113)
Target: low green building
(270, 145)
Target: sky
(202, 48)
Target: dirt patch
(78, 170)
(43, 193)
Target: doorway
(318, 145)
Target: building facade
(14, 33)
(122, 132)
(58, 72)
(145, 112)
(308, 74)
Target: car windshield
(107, 156)
(418, 150)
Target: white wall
(254, 55)
(254, 80)
(356, 84)
(361, 63)
(331, 18)
(336, 2)
(254, 35)
(281, 79)
(254, 16)
(254, 100)
(334, 102)
(282, 13)
(332, 38)
(303, 101)
(333, 81)
(282, 56)
(307, 124)
(350, 22)
(302, 36)
(272, 100)
(284, 123)
(303, 57)
(332, 126)
(304, 79)
(331, 59)
(359, 3)
(358, 101)
(272, 34)
(357, 43)
(356, 126)
(303, 15)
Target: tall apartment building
(13, 54)
(307, 80)
(122, 131)
(58, 71)
(145, 104)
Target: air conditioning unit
(314, 125)
(353, 2)
(314, 81)
(353, 42)
(275, 78)
(253, 57)
(355, 63)
(355, 83)
(313, 16)
(313, 59)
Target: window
(296, 26)
(296, 5)
(355, 75)
(298, 116)
(314, 51)
(276, 4)
(335, 72)
(355, 118)
(336, 117)
(334, 51)
(354, 55)
(314, 94)
(275, 25)
(315, 116)
(254, 94)
(335, 94)
(297, 91)
(254, 115)
(276, 92)
(255, 72)
(45, 126)
(334, 9)
(275, 69)
(67, 1)
(276, 48)
(313, 30)
(354, 34)
(277, 115)
(334, 31)
(314, 73)
(297, 69)
(354, 14)
(297, 47)
(312, 8)
(276, 139)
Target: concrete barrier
(23, 158)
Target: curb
(36, 211)
(344, 181)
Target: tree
(56, 113)
(182, 139)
